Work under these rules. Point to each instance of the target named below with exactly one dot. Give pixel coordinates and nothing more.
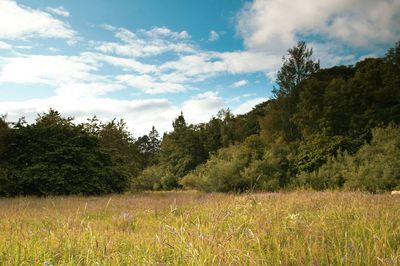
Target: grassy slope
(202, 229)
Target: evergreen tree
(181, 152)
(154, 141)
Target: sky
(145, 61)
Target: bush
(149, 179)
(328, 176)
(374, 168)
(223, 171)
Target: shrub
(149, 179)
(375, 167)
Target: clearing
(181, 228)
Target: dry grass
(176, 228)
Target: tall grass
(189, 228)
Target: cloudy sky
(146, 60)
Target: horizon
(146, 61)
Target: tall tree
(4, 129)
(297, 66)
(181, 151)
(148, 147)
(154, 141)
(393, 55)
(118, 141)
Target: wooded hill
(335, 128)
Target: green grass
(190, 228)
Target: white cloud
(20, 22)
(213, 36)
(240, 83)
(53, 50)
(82, 89)
(51, 70)
(24, 47)
(67, 71)
(60, 11)
(248, 105)
(332, 54)
(5, 46)
(146, 43)
(127, 64)
(150, 84)
(202, 107)
(200, 66)
(275, 25)
(240, 98)
(164, 32)
(140, 115)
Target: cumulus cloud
(60, 11)
(203, 65)
(275, 25)
(213, 36)
(140, 115)
(44, 69)
(240, 83)
(21, 22)
(144, 43)
(201, 107)
(248, 105)
(85, 90)
(127, 64)
(160, 32)
(150, 84)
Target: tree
(118, 141)
(179, 123)
(148, 147)
(297, 66)
(181, 151)
(154, 141)
(393, 55)
(56, 157)
(4, 129)
(227, 127)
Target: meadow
(193, 228)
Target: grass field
(190, 228)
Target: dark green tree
(149, 147)
(181, 151)
(118, 141)
(297, 66)
(154, 141)
(53, 156)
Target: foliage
(314, 151)
(149, 179)
(223, 171)
(320, 130)
(181, 152)
(297, 66)
(375, 167)
(55, 157)
(149, 147)
(317, 122)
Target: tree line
(335, 128)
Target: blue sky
(146, 60)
